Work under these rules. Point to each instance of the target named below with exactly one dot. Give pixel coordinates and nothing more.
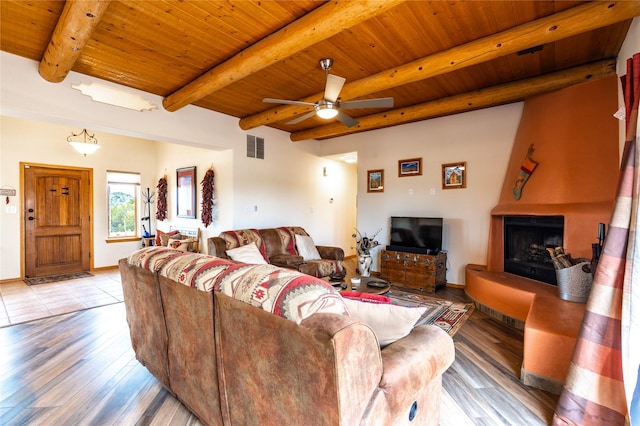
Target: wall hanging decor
(375, 181)
(454, 175)
(411, 167)
(161, 207)
(208, 197)
(526, 170)
(186, 196)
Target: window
(123, 193)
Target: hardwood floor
(79, 369)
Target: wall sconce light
(83, 142)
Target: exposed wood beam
(561, 25)
(318, 25)
(74, 28)
(483, 98)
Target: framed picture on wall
(411, 167)
(454, 175)
(186, 192)
(375, 181)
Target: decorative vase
(364, 264)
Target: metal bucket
(574, 282)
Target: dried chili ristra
(161, 212)
(208, 198)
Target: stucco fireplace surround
(576, 144)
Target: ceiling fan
(329, 106)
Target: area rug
(446, 314)
(55, 278)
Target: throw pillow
(247, 254)
(182, 245)
(389, 322)
(162, 238)
(307, 248)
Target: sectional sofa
(286, 246)
(243, 344)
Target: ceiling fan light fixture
(326, 109)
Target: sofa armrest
(331, 253)
(217, 247)
(426, 352)
(412, 374)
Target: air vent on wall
(255, 147)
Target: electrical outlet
(12, 209)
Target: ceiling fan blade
(333, 88)
(368, 103)
(302, 117)
(284, 101)
(346, 119)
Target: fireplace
(526, 239)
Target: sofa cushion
(389, 322)
(322, 268)
(307, 248)
(283, 292)
(288, 240)
(195, 270)
(242, 237)
(247, 254)
(152, 258)
(286, 260)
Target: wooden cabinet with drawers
(423, 272)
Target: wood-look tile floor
(79, 369)
(20, 302)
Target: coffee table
(364, 288)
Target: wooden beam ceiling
(76, 24)
(312, 28)
(542, 31)
(483, 98)
(424, 54)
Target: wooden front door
(57, 217)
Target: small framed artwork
(454, 175)
(375, 181)
(411, 167)
(186, 195)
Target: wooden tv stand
(423, 272)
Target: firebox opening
(526, 239)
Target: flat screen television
(416, 234)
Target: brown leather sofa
(234, 362)
(278, 247)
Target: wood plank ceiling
(434, 58)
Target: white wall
(287, 186)
(23, 140)
(483, 139)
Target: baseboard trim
(546, 384)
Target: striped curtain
(602, 384)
